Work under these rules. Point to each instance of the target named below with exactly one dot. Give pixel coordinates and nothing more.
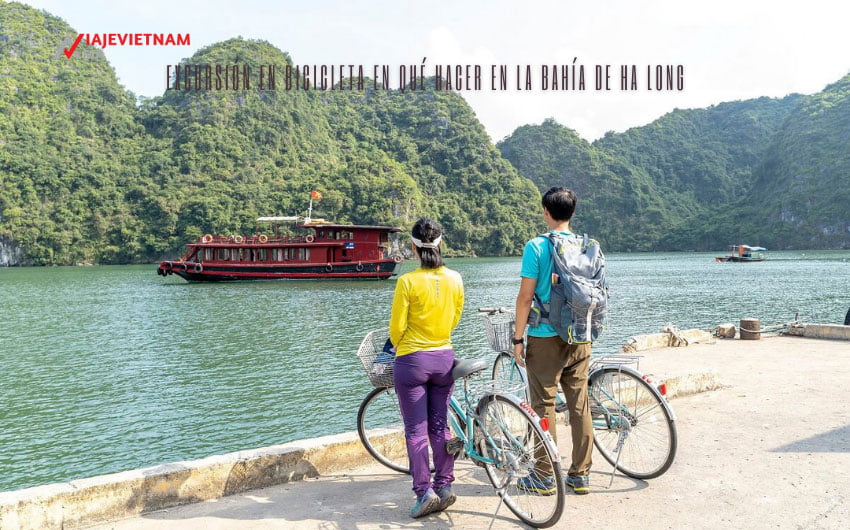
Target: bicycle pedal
(454, 446)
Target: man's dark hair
(427, 230)
(560, 202)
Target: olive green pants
(549, 361)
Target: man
(548, 358)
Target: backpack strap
(543, 308)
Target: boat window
(262, 254)
(223, 254)
(208, 254)
(321, 234)
(307, 255)
(236, 254)
(301, 254)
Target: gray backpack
(578, 305)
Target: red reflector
(544, 424)
(663, 389)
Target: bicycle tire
(381, 429)
(630, 413)
(512, 437)
(508, 374)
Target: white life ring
(329, 267)
(237, 239)
(199, 268)
(207, 238)
(263, 238)
(397, 259)
(310, 238)
(359, 267)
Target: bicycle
(633, 424)
(495, 430)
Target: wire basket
(377, 363)
(499, 328)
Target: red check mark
(68, 53)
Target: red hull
(192, 271)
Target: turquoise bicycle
(494, 429)
(634, 427)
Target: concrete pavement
(769, 450)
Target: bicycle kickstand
(620, 441)
(501, 493)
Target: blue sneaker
(536, 484)
(427, 503)
(580, 485)
(447, 498)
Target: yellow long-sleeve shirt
(426, 308)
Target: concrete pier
(769, 447)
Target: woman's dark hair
(428, 230)
(560, 203)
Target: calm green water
(111, 368)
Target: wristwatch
(515, 340)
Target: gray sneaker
(447, 498)
(580, 484)
(427, 503)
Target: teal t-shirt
(537, 263)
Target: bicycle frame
(471, 420)
(610, 418)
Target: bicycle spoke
(520, 453)
(632, 429)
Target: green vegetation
(89, 176)
(69, 144)
(86, 176)
(771, 172)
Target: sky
(729, 49)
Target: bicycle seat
(467, 367)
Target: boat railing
(255, 239)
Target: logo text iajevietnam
(129, 39)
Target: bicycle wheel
(381, 429)
(508, 375)
(520, 449)
(633, 426)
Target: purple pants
(423, 382)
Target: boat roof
(279, 219)
(349, 227)
(752, 248)
(316, 223)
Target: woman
(426, 308)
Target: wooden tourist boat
(326, 251)
(743, 253)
